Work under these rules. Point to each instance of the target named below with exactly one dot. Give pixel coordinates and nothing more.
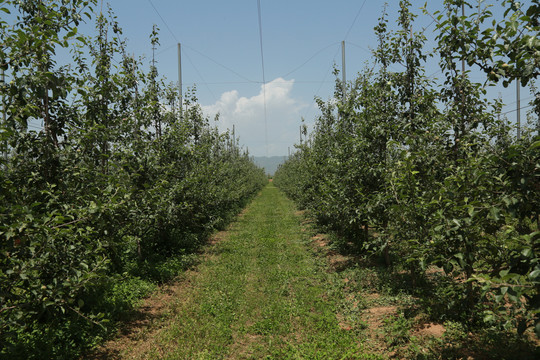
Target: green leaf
(72, 33)
(527, 252)
(512, 296)
(93, 207)
(494, 213)
(10, 233)
(535, 275)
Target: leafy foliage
(427, 175)
(115, 191)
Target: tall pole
(2, 83)
(4, 111)
(463, 59)
(180, 79)
(463, 64)
(518, 110)
(344, 84)
(136, 105)
(462, 89)
(233, 136)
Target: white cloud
(247, 114)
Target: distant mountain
(269, 163)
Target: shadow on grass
(431, 297)
(137, 321)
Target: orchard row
(427, 175)
(112, 195)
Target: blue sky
(301, 41)
(227, 32)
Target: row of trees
(112, 193)
(427, 174)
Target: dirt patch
(372, 296)
(242, 213)
(243, 346)
(431, 329)
(374, 316)
(217, 237)
(434, 270)
(145, 324)
(338, 262)
(374, 319)
(300, 212)
(320, 241)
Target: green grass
(260, 294)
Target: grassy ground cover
(257, 293)
(270, 287)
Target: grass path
(258, 293)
